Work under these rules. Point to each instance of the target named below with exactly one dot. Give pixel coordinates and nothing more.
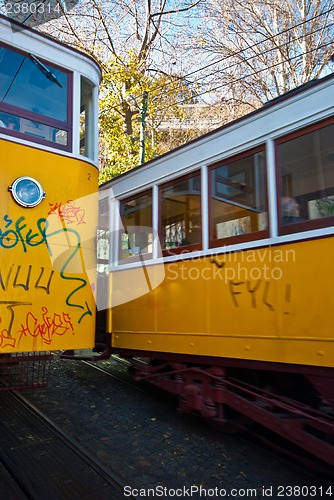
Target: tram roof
(48, 39)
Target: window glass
(136, 234)
(103, 237)
(87, 134)
(33, 128)
(28, 83)
(181, 213)
(238, 197)
(307, 176)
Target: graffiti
(19, 276)
(6, 340)
(239, 288)
(218, 264)
(235, 291)
(17, 232)
(47, 326)
(265, 296)
(248, 280)
(68, 212)
(7, 332)
(82, 283)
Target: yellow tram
(48, 184)
(221, 269)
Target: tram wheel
(229, 420)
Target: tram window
(33, 98)
(86, 119)
(306, 162)
(33, 128)
(136, 236)
(180, 208)
(238, 204)
(103, 237)
(25, 86)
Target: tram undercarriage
(295, 402)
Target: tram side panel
(47, 270)
(244, 305)
(203, 307)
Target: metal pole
(143, 112)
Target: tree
(131, 102)
(135, 44)
(262, 49)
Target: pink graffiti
(47, 326)
(68, 212)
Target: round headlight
(27, 191)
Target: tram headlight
(27, 191)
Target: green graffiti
(16, 233)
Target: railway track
(259, 437)
(124, 441)
(39, 460)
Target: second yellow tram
(220, 270)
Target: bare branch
(177, 11)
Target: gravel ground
(144, 440)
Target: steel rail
(106, 473)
